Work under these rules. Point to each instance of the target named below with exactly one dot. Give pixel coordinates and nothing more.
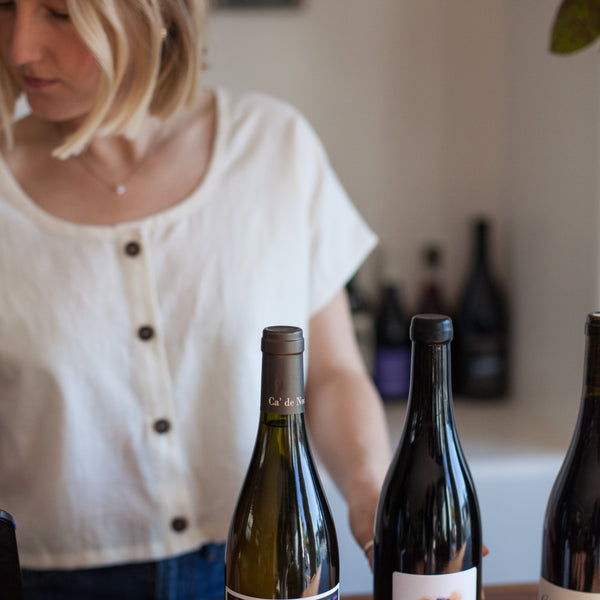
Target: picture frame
(256, 3)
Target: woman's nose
(27, 39)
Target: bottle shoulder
(424, 457)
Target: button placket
(154, 382)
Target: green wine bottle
(282, 542)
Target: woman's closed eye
(58, 11)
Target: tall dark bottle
(391, 368)
(10, 573)
(571, 532)
(431, 296)
(427, 541)
(481, 358)
(282, 541)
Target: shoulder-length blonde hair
(150, 54)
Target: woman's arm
(345, 415)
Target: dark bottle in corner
(11, 587)
(391, 368)
(428, 541)
(431, 299)
(282, 541)
(571, 532)
(481, 360)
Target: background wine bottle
(431, 298)
(391, 366)
(282, 541)
(427, 520)
(571, 532)
(11, 587)
(481, 329)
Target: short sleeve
(340, 239)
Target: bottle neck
(591, 379)
(282, 429)
(430, 390)
(282, 386)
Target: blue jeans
(198, 575)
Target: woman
(149, 230)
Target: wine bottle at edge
(282, 541)
(11, 587)
(428, 521)
(571, 531)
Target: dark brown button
(162, 425)
(132, 249)
(145, 332)
(179, 524)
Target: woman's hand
(362, 505)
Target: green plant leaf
(576, 25)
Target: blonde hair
(150, 55)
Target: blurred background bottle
(431, 299)
(571, 533)
(480, 358)
(391, 366)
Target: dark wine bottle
(11, 587)
(392, 346)
(481, 338)
(282, 541)
(427, 541)
(431, 298)
(571, 531)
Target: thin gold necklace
(120, 188)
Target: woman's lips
(37, 83)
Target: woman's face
(55, 69)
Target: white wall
(552, 176)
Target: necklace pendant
(120, 189)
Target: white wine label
(332, 594)
(450, 586)
(549, 591)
